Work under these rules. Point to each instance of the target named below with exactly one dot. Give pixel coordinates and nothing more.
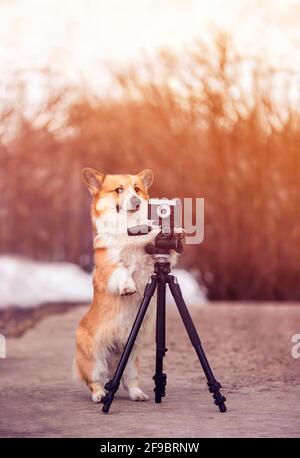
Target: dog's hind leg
(94, 372)
(130, 378)
(99, 377)
(97, 390)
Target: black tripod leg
(160, 378)
(213, 385)
(113, 385)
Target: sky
(75, 37)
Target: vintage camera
(165, 213)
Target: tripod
(160, 251)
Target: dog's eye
(119, 190)
(137, 189)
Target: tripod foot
(214, 388)
(109, 397)
(160, 384)
(222, 407)
(106, 401)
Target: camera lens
(163, 211)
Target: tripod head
(163, 243)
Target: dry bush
(210, 124)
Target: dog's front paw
(121, 282)
(136, 394)
(127, 287)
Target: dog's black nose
(135, 201)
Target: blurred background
(204, 93)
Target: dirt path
(249, 348)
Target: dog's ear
(147, 177)
(93, 179)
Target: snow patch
(27, 283)
(192, 293)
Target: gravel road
(248, 346)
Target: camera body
(165, 213)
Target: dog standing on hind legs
(122, 269)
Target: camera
(165, 213)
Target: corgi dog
(121, 272)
